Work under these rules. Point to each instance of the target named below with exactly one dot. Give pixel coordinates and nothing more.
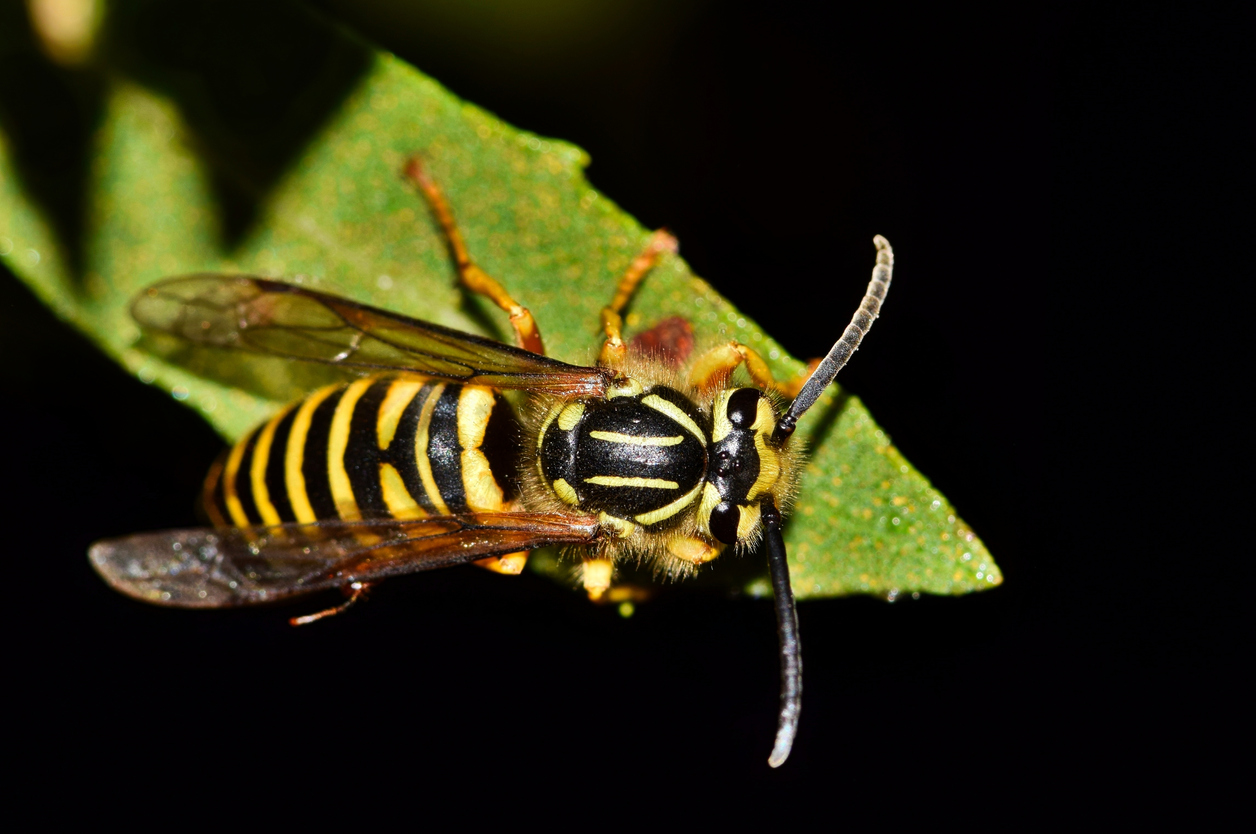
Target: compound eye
(724, 521)
(743, 407)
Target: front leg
(712, 369)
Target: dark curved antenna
(859, 325)
(787, 631)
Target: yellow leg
(597, 577)
(713, 368)
(473, 278)
(511, 564)
(613, 349)
(694, 551)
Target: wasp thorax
(744, 464)
(639, 456)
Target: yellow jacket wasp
(421, 463)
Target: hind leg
(527, 334)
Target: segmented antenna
(859, 325)
(787, 631)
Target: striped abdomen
(381, 447)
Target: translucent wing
(217, 568)
(277, 319)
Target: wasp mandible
(422, 463)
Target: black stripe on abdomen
(362, 456)
(276, 478)
(444, 452)
(314, 459)
(244, 480)
(400, 452)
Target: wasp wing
(217, 568)
(278, 319)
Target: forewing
(217, 568)
(278, 319)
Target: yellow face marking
(634, 440)
(232, 500)
(748, 522)
(710, 500)
(623, 527)
(570, 416)
(662, 406)
(261, 456)
(648, 483)
(565, 491)
(721, 426)
(337, 442)
(769, 458)
(396, 497)
(294, 455)
(666, 512)
(399, 396)
(420, 451)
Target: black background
(1054, 355)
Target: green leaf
(189, 169)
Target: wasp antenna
(837, 357)
(787, 630)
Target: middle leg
(613, 348)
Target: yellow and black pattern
(381, 447)
(640, 458)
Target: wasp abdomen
(382, 447)
(642, 458)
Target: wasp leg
(597, 574)
(613, 349)
(511, 564)
(527, 334)
(695, 551)
(713, 368)
(354, 592)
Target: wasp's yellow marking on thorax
(294, 479)
(570, 416)
(665, 512)
(670, 409)
(545, 424)
(614, 481)
(399, 395)
(566, 492)
(261, 459)
(475, 407)
(420, 451)
(230, 497)
(623, 527)
(628, 388)
(634, 439)
(337, 442)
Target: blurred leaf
(197, 163)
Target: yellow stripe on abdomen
(261, 458)
(337, 442)
(295, 455)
